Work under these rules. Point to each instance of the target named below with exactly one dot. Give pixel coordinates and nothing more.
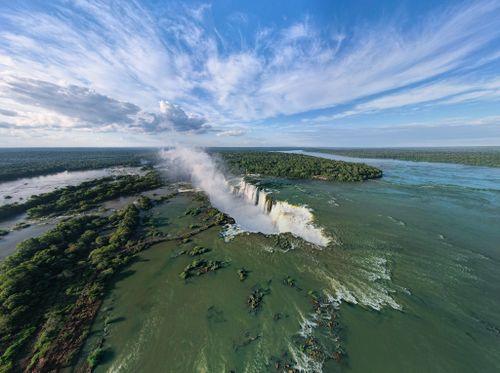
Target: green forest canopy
(23, 162)
(82, 197)
(298, 166)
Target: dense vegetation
(297, 166)
(18, 163)
(50, 288)
(82, 197)
(475, 156)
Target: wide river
(414, 265)
(414, 268)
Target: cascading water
(285, 216)
(252, 208)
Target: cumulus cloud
(181, 121)
(73, 101)
(56, 106)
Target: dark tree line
(19, 163)
(474, 156)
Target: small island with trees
(297, 166)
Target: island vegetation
(52, 287)
(82, 197)
(199, 267)
(297, 166)
(474, 156)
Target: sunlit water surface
(415, 266)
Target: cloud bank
(85, 108)
(130, 66)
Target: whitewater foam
(298, 220)
(252, 208)
(368, 288)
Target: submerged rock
(243, 274)
(246, 340)
(288, 281)
(215, 315)
(283, 364)
(279, 316)
(291, 282)
(254, 300)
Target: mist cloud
(246, 208)
(204, 174)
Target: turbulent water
(412, 269)
(285, 217)
(253, 208)
(202, 171)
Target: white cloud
(48, 105)
(8, 113)
(232, 133)
(181, 121)
(438, 93)
(135, 57)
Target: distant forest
(19, 163)
(474, 156)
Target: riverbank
(473, 156)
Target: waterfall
(286, 217)
(253, 209)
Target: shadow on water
(116, 320)
(215, 315)
(107, 355)
(124, 274)
(160, 220)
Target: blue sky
(259, 73)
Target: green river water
(413, 272)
